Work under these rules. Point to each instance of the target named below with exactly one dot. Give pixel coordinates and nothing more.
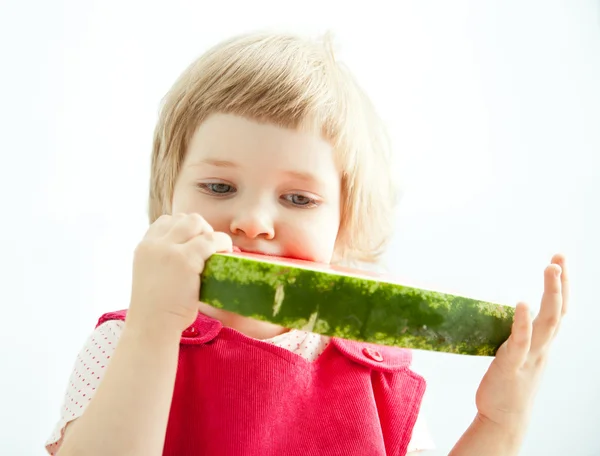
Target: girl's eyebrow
(299, 175)
(217, 163)
(307, 177)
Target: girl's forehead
(228, 141)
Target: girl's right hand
(166, 271)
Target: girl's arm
(505, 396)
(130, 409)
(485, 437)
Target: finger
(159, 227)
(200, 248)
(222, 241)
(188, 226)
(548, 318)
(560, 260)
(519, 342)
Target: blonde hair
(292, 82)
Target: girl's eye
(300, 200)
(218, 188)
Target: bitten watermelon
(354, 305)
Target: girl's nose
(253, 224)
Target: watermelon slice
(351, 304)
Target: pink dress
(237, 395)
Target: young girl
(267, 144)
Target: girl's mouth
(236, 249)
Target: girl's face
(275, 191)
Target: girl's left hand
(505, 395)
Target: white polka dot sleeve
(86, 376)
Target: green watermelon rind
(355, 308)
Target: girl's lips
(274, 257)
(236, 249)
(255, 252)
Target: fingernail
(557, 271)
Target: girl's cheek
(303, 248)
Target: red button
(190, 332)
(372, 354)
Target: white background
(494, 109)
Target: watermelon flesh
(351, 304)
